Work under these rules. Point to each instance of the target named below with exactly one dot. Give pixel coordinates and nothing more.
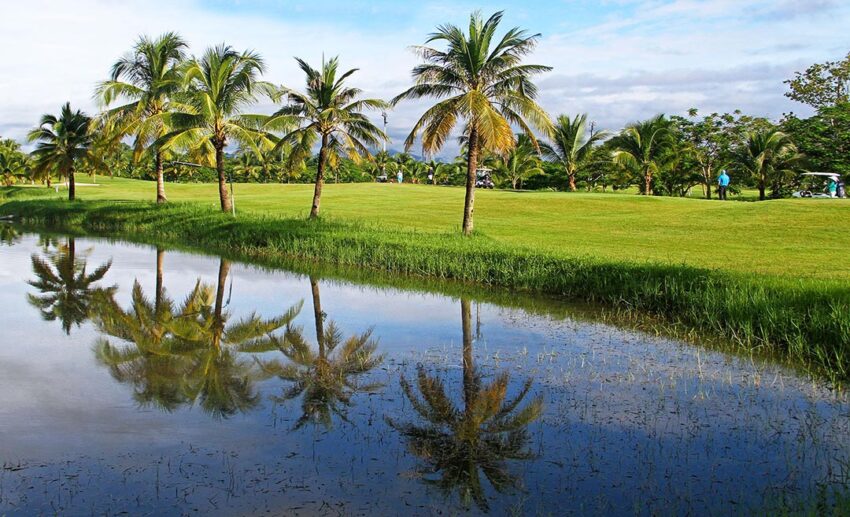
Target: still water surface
(148, 381)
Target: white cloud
(636, 59)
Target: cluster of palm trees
(169, 102)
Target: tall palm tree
(325, 380)
(641, 146)
(63, 143)
(219, 85)
(330, 112)
(520, 163)
(481, 436)
(764, 154)
(67, 291)
(147, 80)
(481, 80)
(572, 146)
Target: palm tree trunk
(223, 195)
(471, 168)
(320, 178)
(469, 390)
(762, 196)
(648, 184)
(160, 182)
(72, 187)
(572, 176)
(318, 316)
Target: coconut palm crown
(481, 80)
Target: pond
(142, 380)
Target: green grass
(800, 238)
(769, 276)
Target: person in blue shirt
(833, 187)
(400, 177)
(723, 184)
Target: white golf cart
(483, 178)
(818, 186)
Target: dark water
(219, 388)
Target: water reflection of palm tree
(326, 381)
(66, 289)
(9, 235)
(457, 444)
(189, 354)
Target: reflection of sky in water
(631, 423)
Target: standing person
(723, 184)
(833, 187)
(400, 176)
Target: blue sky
(618, 60)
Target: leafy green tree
(481, 80)
(326, 380)
(218, 86)
(572, 145)
(823, 138)
(521, 163)
(66, 291)
(640, 147)
(768, 157)
(330, 112)
(63, 144)
(822, 85)
(457, 444)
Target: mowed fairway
(791, 238)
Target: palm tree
(14, 166)
(640, 147)
(62, 144)
(330, 112)
(765, 154)
(572, 146)
(66, 290)
(218, 86)
(482, 81)
(148, 79)
(326, 381)
(520, 163)
(458, 443)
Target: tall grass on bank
(809, 320)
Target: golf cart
(483, 179)
(821, 180)
(382, 178)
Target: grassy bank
(803, 319)
(801, 238)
